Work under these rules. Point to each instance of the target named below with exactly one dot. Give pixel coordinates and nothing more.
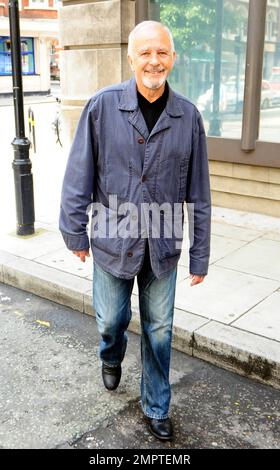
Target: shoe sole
(170, 438)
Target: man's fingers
(196, 279)
(82, 254)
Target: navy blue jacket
(105, 162)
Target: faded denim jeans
(111, 301)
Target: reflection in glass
(197, 34)
(213, 80)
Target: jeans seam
(153, 416)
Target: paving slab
(31, 247)
(258, 257)
(64, 260)
(221, 246)
(271, 236)
(263, 319)
(224, 295)
(233, 231)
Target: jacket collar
(129, 101)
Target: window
(271, 26)
(27, 56)
(270, 97)
(210, 41)
(38, 3)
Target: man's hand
(196, 279)
(82, 254)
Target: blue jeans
(111, 301)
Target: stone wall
(93, 38)
(246, 187)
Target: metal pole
(253, 74)
(21, 163)
(215, 122)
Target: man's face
(152, 57)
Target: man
(145, 145)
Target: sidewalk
(231, 319)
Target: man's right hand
(82, 254)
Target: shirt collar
(129, 100)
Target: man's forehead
(151, 33)
(154, 47)
(152, 41)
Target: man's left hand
(196, 279)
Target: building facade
(39, 45)
(228, 64)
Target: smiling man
(143, 145)
(151, 55)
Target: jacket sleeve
(77, 187)
(198, 200)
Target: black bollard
(21, 164)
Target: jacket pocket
(171, 245)
(172, 180)
(104, 231)
(168, 249)
(118, 178)
(184, 164)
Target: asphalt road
(52, 396)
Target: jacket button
(141, 141)
(129, 254)
(143, 178)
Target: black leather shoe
(111, 376)
(160, 428)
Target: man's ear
(130, 61)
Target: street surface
(52, 396)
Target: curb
(225, 346)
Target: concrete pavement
(230, 320)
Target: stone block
(101, 24)
(239, 351)
(46, 282)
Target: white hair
(145, 24)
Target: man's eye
(163, 53)
(145, 54)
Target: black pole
(215, 122)
(21, 163)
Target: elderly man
(139, 144)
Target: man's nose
(154, 60)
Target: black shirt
(151, 113)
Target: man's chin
(154, 84)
